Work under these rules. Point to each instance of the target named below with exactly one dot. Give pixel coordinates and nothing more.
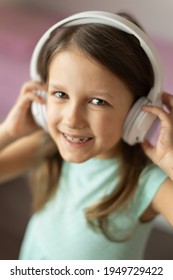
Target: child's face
(86, 107)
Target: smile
(76, 139)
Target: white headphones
(137, 122)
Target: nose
(75, 116)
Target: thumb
(25, 102)
(148, 149)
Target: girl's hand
(19, 122)
(162, 153)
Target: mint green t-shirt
(60, 231)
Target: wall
(155, 15)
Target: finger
(168, 100)
(29, 91)
(158, 112)
(148, 149)
(26, 101)
(32, 86)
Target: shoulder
(150, 180)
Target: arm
(24, 154)
(22, 144)
(163, 201)
(162, 153)
(5, 139)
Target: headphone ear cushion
(39, 111)
(137, 122)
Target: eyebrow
(101, 93)
(56, 86)
(105, 94)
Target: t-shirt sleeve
(149, 183)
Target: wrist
(166, 164)
(6, 137)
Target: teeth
(76, 139)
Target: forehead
(79, 65)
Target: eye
(61, 95)
(99, 102)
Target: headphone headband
(110, 20)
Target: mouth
(76, 139)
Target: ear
(137, 122)
(39, 111)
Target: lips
(76, 139)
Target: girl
(96, 196)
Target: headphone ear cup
(137, 122)
(39, 111)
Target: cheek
(111, 124)
(52, 116)
(51, 108)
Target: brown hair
(122, 54)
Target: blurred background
(22, 22)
